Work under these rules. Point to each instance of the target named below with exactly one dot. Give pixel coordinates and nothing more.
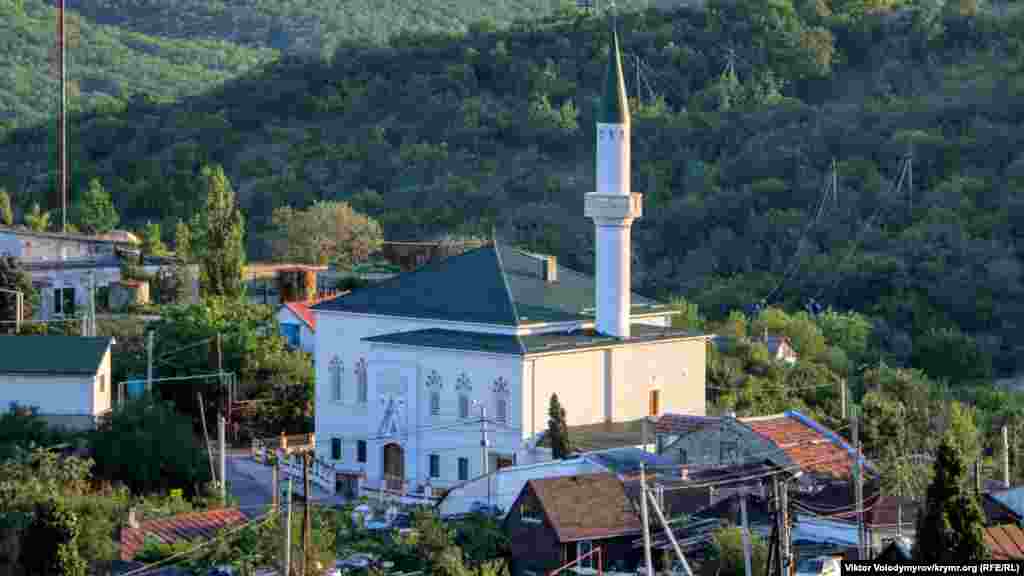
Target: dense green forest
(741, 109)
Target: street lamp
(19, 302)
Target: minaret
(613, 207)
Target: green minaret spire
(614, 106)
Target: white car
(819, 566)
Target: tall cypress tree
(557, 430)
(952, 526)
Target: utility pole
(222, 454)
(62, 140)
(668, 531)
(275, 480)
(859, 487)
(206, 434)
(647, 527)
(92, 304)
(18, 303)
(286, 569)
(485, 464)
(149, 361)
(1006, 457)
(977, 475)
(835, 184)
(307, 532)
(785, 539)
(746, 530)
(842, 397)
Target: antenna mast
(62, 153)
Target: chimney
(133, 520)
(550, 270)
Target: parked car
(485, 509)
(819, 566)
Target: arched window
(464, 388)
(361, 382)
(336, 372)
(434, 386)
(501, 397)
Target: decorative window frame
(434, 385)
(502, 398)
(465, 389)
(336, 379)
(362, 382)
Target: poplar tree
(218, 234)
(558, 432)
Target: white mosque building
(411, 371)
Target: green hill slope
(441, 133)
(107, 65)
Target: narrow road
(247, 484)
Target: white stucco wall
(402, 372)
(101, 387)
(613, 383)
(77, 278)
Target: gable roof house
(555, 521)
(298, 323)
(65, 378)
(191, 526)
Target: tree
(6, 213)
(37, 220)
(182, 267)
(952, 526)
(218, 233)
(146, 444)
(96, 211)
(53, 534)
(727, 549)
(325, 233)
(152, 244)
(13, 277)
(558, 432)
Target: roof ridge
(763, 418)
(508, 289)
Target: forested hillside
(108, 66)
(443, 133)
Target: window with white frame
(501, 397)
(464, 388)
(434, 385)
(362, 384)
(336, 373)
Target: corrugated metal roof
(52, 354)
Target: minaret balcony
(613, 206)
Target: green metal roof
(614, 106)
(493, 284)
(520, 345)
(52, 354)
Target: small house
(66, 379)
(555, 521)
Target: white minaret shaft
(613, 206)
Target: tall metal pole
(785, 538)
(646, 525)
(92, 304)
(1006, 457)
(62, 151)
(222, 455)
(485, 464)
(149, 361)
(842, 396)
(275, 480)
(307, 532)
(858, 476)
(286, 569)
(668, 531)
(746, 531)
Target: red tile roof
(302, 310)
(1005, 542)
(808, 448)
(591, 506)
(188, 526)
(680, 424)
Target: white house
(418, 377)
(298, 323)
(66, 378)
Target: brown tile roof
(590, 506)
(808, 448)
(1005, 542)
(885, 512)
(192, 525)
(680, 424)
